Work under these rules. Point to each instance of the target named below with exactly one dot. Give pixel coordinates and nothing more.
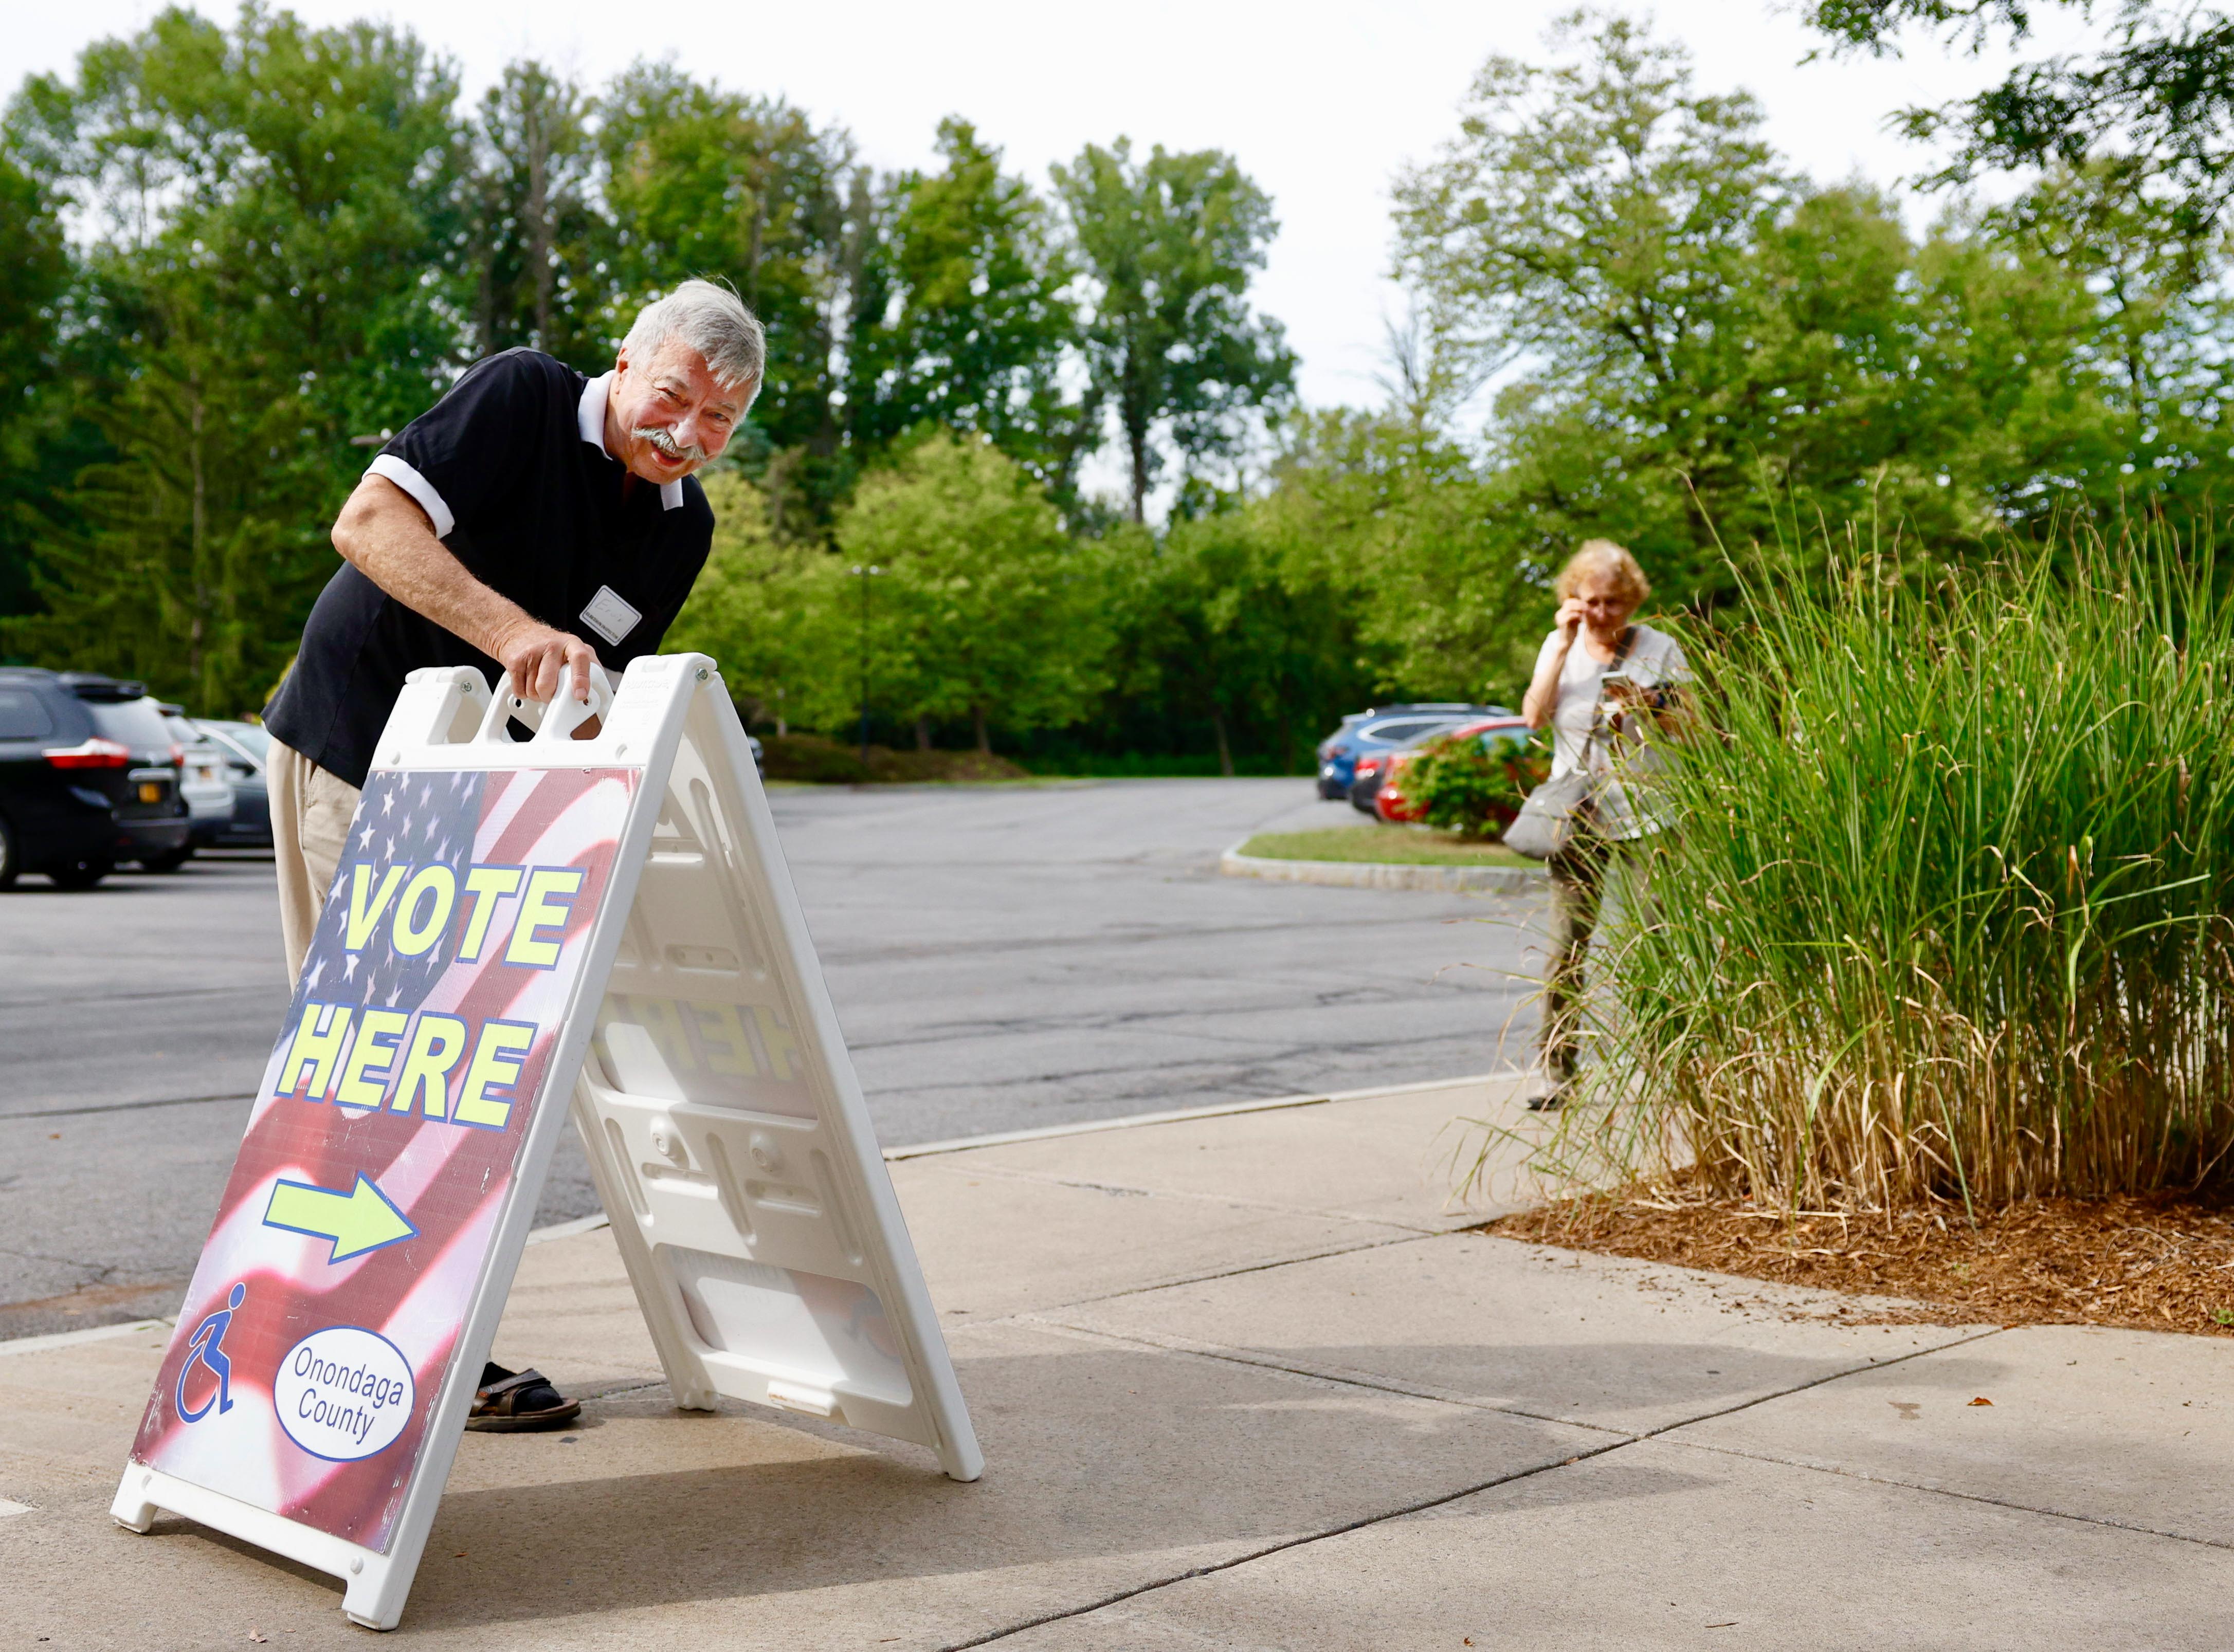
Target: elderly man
(532, 519)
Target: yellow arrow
(363, 1220)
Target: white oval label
(344, 1393)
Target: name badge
(610, 615)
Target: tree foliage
(2153, 105)
(541, 257)
(288, 238)
(959, 315)
(34, 274)
(1695, 339)
(985, 608)
(256, 291)
(1174, 349)
(699, 179)
(767, 609)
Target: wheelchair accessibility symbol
(206, 1348)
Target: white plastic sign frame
(685, 1015)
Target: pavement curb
(1215, 1110)
(1380, 874)
(90, 1334)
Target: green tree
(1174, 347)
(703, 181)
(959, 318)
(272, 210)
(2153, 105)
(34, 279)
(543, 274)
(1593, 227)
(1704, 350)
(771, 611)
(1247, 620)
(986, 608)
(2126, 155)
(1444, 594)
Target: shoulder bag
(1553, 813)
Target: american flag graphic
(261, 1288)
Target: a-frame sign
(516, 921)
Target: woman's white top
(1655, 660)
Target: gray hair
(711, 319)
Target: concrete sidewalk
(1244, 1382)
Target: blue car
(1385, 728)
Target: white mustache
(668, 445)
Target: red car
(1501, 736)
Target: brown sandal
(518, 1402)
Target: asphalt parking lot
(1001, 958)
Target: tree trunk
(539, 220)
(782, 728)
(923, 734)
(198, 553)
(985, 744)
(1138, 441)
(1225, 752)
(1137, 418)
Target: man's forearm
(386, 537)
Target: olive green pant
(1578, 886)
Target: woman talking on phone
(1599, 680)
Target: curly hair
(1603, 557)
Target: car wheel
(169, 860)
(79, 874)
(10, 864)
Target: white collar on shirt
(592, 417)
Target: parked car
(1366, 774)
(202, 780)
(88, 777)
(246, 749)
(1381, 729)
(1499, 736)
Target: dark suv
(88, 777)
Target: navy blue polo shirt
(511, 468)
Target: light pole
(864, 575)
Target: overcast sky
(1321, 104)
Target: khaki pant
(311, 814)
(1578, 884)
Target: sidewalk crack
(1442, 1498)
(1340, 1375)
(1418, 1507)
(1931, 1489)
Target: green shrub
(811, 758)
(1948, 913)
(1457, 786)
(814, 758)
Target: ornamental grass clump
(1947, 911)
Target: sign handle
(554, 720)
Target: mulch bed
(2160, 1263)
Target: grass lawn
(1396, 846)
